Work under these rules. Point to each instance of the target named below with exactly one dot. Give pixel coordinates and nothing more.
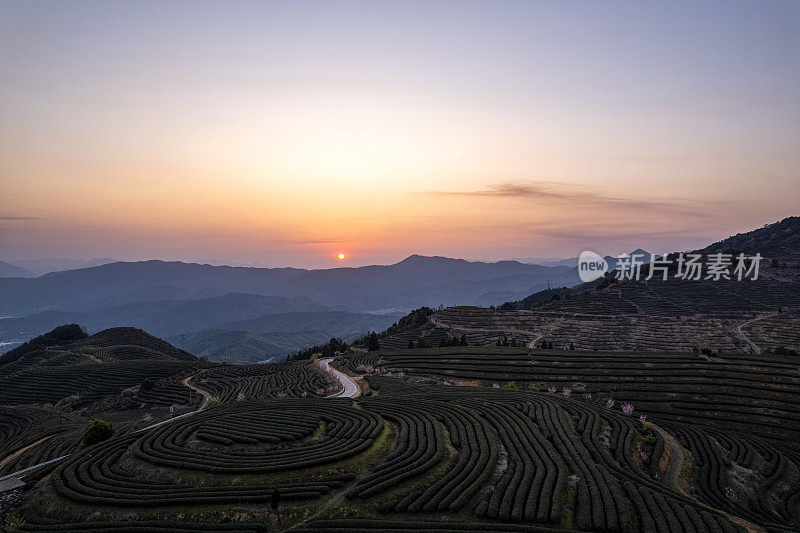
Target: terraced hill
(416, 452)
(50, 388)
(761, 315)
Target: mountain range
(243, 314)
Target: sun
(341, 256)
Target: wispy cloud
(555, 192)
(18, 218)
(298, 242)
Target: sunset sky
(284, 133)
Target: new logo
(591, 266)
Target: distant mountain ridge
(198, 306)
(11, 271)
(409, 283)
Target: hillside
(272, 337)
(676, 314)
(446, 440)
(778, 240)
(69, 346)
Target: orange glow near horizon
(380, 135)
(341, 256)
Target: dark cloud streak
(566, 194)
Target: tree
(421, 343)
(410, 344)
(463, 340)
(58, 336)
(97, 431)
(373, 345)
(572, 346)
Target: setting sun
(341, 256)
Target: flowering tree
(566, 392)
(240, 397)
(643, 455)
(281, 394)
(587, 396)
(148, 417)
(609, 403)
(551, 390)
(495, 385)
(627, 409)
(303, 394)
(573, 480)
(642, 418)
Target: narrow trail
(744, 336)
(206, 395)
(23, 450)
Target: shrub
(373, 345)
(97, 431)
(511, 385)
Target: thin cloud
(299, 242)
(18, 218)
(566, 194)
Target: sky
(285, 133)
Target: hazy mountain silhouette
(11, 271)
(177, 300)
(412, 282)
(39, 267)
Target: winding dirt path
(22, 450)
(744, 336)
(206, 395)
